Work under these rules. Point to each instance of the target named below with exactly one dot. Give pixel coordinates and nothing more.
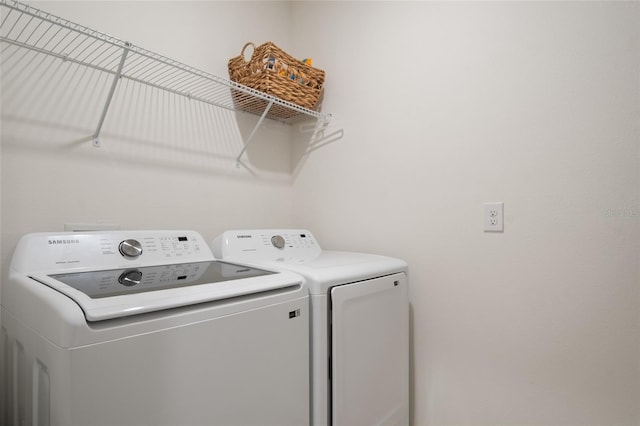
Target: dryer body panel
(369, 357)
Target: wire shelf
(25, 28)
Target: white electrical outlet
(493, 217)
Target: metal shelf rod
(114, 84)
(250, 138)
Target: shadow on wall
(201, 139)
(306, 136)
(55, 108)
(310, 137)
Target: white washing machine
(359, 323)
(126, 328)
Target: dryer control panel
(266, 244)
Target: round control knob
(130, 278)
(130, 248)
(277, 241)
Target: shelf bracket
(248, 141)
(114, 84)
(321, 124)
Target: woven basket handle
(243, 49)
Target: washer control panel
(266, 244)
(50, 252)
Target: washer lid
(115, 293)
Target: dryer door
(370, 352)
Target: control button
(277, 241)
(130, 278)
(130, 248)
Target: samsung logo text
(56, 242)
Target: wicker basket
(274, 72)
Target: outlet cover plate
(494, 217)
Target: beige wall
(446, 105)
(443, 105)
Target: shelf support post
(260, 120)
(114, 84)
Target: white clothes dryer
(146, 328)
(359, 323)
